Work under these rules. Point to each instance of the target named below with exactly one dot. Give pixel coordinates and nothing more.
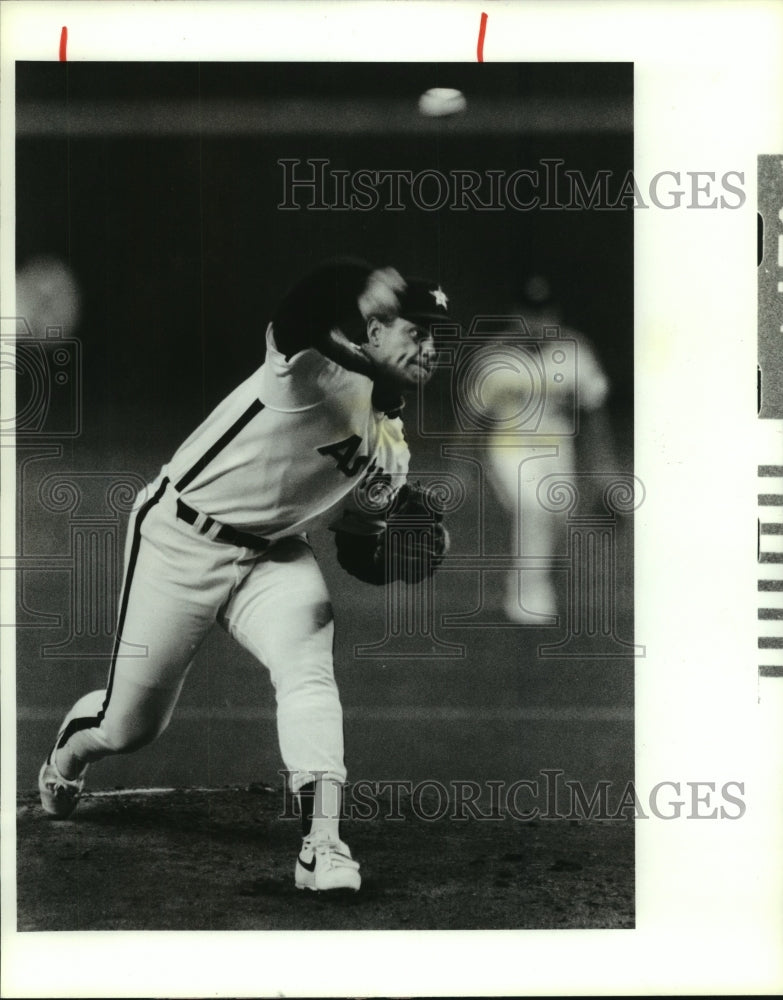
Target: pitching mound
(222, 859)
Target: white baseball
(441, 101)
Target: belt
(225, 533)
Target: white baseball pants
(178, 583)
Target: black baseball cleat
(326, 863)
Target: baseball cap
(424, 302)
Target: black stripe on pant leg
(90, 722)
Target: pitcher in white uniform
(220, 536)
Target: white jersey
(532, 388)
(287, 445)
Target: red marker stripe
(63, 43)
(482, 32)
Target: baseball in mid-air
(438, 102)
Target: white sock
(327, 802)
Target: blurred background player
(47, 298)
(571, 398)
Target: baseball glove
(408, 543)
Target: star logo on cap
(440, 297)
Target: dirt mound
(222, 859)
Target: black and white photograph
(370, 315)
(344, 592)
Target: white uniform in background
(518, 462)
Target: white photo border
(708, 85)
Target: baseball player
(221, 536)
(519, 461)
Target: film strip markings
(770, 559)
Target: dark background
(159, 184)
